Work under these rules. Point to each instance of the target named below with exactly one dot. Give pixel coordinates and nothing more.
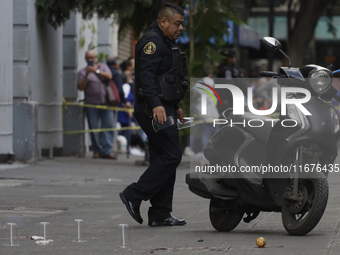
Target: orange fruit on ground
(261, 242)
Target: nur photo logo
(204, 97)
(239, 99)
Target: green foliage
(209, 19)
(91, 46)
(102, 56)
(92, 27)
(81, 41)
(56, 11)
(135, 12)
(81, 36)
(139, 15)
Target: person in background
(124, 66)
(126, 69)
(265, 91)
(205, 130)
(91, 80)
(131, 69)
(132, 63)
(113, 64)
(124, 118)
(228, 70)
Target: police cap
(228, 52)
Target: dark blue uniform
(153, 58)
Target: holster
(147, 110)
(173, 83)
(173, 87)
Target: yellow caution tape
(274, 115)
(99, 130)
(97, 106)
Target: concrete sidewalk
(67, 188)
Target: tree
(206, 19)
(206, 27)
(307, 14)
(58, 11)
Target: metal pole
(128, 138)
(271, 32)
(115, 133)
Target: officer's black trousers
(157, 182)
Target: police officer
(160, 84)
(228, 71)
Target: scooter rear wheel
(222, 219)
(302, 216)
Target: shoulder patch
(149, 48)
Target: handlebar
(269, 74)
(337, 98)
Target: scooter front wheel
(221, 218)
(300, 217)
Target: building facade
(39, 70)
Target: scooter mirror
(270, 43)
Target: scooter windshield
(293, 73)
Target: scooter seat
(257, 125)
